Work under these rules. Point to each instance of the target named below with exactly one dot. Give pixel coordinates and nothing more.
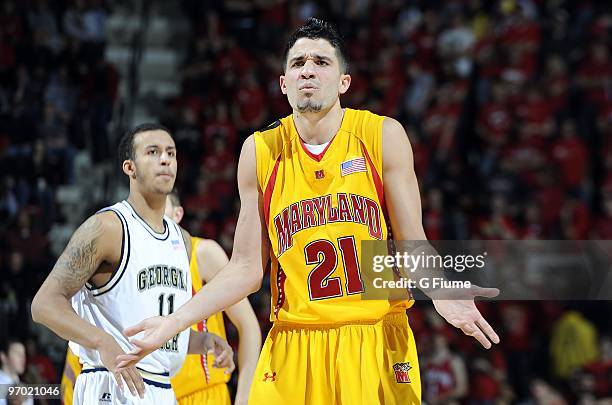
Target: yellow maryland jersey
(198, 372)
(72, 369)
(318, 208)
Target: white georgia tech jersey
(152, 279)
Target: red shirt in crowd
(603, 227)
(576, 220)
(602, 373)
(495, 120)
(525, 157)
(521, 32)
(517, 328)
(557, 91)
(425, 43)
(536, 111)
(485, 385)
(438, 379)
(432, 222)
(222, 128)
(251, 103)
(571, 155)
(551, 200)
(44, 366)
(593, 72)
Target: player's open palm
(109, 352)
(459, 309)
(156, 331)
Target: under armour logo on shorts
(269, 377)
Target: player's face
(313, 79)
(155, 161)
(16, 358)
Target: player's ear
(345, 83)
(283, 84)
(178, 214)
(129, 168)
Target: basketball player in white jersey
(125, 263)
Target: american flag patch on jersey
(353, 166)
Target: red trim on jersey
(280, 284)
(203, 357)
(312, 155)
(377, 180)
(269, 189)
(391, 248)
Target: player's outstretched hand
(459, 309)
(156, 331)
(224, 355)
(110, 351)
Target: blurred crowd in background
(508, 106)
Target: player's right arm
(239, 278)
(404, 205)
(92, 244)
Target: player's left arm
(403, 203)
(206, 342)
(212, 258)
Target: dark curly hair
(315, 28)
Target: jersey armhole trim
(180, 236)
(269, 190)
(376, 177)
(123, 262)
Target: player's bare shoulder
(393, 130)
(395, 144)
(210, 246)
(247, 165)
(211, 258)
(96, 242)
(248, 147)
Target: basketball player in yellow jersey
(72, 369)
(312, 187)
(199, 382)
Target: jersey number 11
(170, 304)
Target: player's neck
(149, 208)
(320, 127)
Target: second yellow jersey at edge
(318, 209)
(197, 372)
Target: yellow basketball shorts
(217, 394)
(366, 363)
